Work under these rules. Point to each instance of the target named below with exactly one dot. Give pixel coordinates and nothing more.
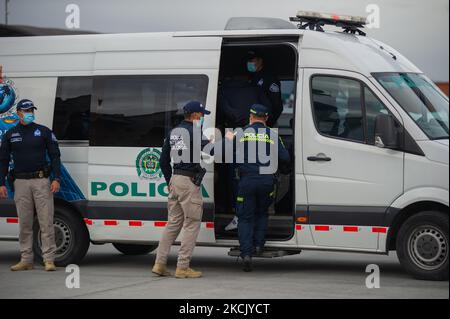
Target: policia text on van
(368, 137)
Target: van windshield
(421, 99)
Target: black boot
(247, 264)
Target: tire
(71, 236)
(134, 250)
(422, 246)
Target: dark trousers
(255, 196)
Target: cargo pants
(35, 195)
(185, 213)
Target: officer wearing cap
(271, 86)
(256, 186)
(185, 203)
(29, 145)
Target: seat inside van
(237, 93)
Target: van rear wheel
(135, 250)
(422, 246)
(71, 237)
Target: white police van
(367, 130)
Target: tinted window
(139, 111)
(337, 105)
(72, 108)
(374, 107)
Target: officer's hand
(3, 192)
(55, 187)
(230, 136)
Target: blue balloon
(7, 98)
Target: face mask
(251, 67)
(200, 122)
(28, 118)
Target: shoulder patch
(275, 88)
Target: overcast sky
(417, 28)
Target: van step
(267, 253)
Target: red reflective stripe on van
(382, 230)
(111, 223)
(160, 224)
(134, 223)
(322, 228)
(351, 229)
(298, 227)
(88, 221)
(210, 225)
(12, 220)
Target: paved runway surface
(105, 273)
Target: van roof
(327, 50)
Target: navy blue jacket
(263, 137)
(175, 144)
(29, 146)
(271, 86)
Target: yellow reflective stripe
(255, 139)
(240, 199)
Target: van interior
(280, 60)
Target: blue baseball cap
(195, 107)
(26, 105)
(259, 110)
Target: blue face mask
(200, 122)
(28, 118)
(251, 67)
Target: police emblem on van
(147, 164)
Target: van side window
(72, 108)
(337, 106)
(374, 107)
(139, 111)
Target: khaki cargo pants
(185, 213)
(30, 195)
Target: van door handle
(319, 158)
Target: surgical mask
(251, 67)
(28, 118)
(200, 122)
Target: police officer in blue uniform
(30, 145)
(270, 85)
(256, 187)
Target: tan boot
(187, 273)
(22, 266)
(161, 270)
(49, 266)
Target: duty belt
(44, 173)
(184, 173)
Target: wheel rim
(63, 238)
(428, 247)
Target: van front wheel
(422, 246)
(134, 250)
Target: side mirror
(386, 134)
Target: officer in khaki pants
(28, 145)
(185, 200)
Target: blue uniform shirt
(262, 136)
(30, 146)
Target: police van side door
(351, 182)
